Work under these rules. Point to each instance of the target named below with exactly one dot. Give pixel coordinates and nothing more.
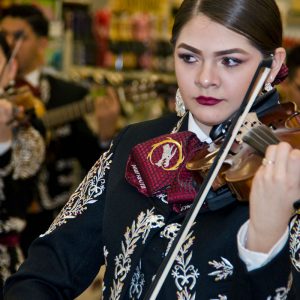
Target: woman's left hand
(275, 188)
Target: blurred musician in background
(22, 151)
(72, 147)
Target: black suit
(107, 221)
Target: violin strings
(260, 138)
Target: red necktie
(158, 166)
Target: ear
(278, 60)
(43, 43)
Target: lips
(208, 100)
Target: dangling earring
(179, 104)
(268, 87)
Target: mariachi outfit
(20, 161)
(72, 149)
(128, 222)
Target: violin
(281, 123)
(25, 105)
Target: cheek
(2, 63)
(237, 87)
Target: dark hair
(293, 60)
(4, 46)
(31, 14)
(258, 20)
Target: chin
(205, 120)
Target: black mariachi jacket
(107, 221)
(19, 167)
(69, 143)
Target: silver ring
(267, 162)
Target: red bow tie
(158, 167)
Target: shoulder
(155, 127)
(143, 131)
(60, 79)
(63, 89)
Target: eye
(231, 61)
(188, 58)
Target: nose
(207, 76)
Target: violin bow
(19, 39)
(255, 87)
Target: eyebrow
(218, 53)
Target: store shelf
(80, 2)
(79, 72)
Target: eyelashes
(227, 61)
(188, 58)
(231, 61)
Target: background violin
(25, 104)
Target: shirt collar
(33, 77)
(193, 127)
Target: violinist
(21, 156)
(128, 210)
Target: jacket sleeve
(63, 261)
(271, 281)
(279, 279)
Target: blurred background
(125, 43)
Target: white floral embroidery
(8, 263)
(170, 232)
(154, 221)
(91, 187)
(224, 269)
(105, 253)
(185, 207)
(12, 224)
(295, 242)
(220, 297)
(281, 294)
(4, 262)
(139, 229)
(184, 273)
(162, 197)
(137, 283)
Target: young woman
(129, 208)
(21, 154)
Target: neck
(205, 128)
(23, 73)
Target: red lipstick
(208, 100)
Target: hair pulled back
(258, 20)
